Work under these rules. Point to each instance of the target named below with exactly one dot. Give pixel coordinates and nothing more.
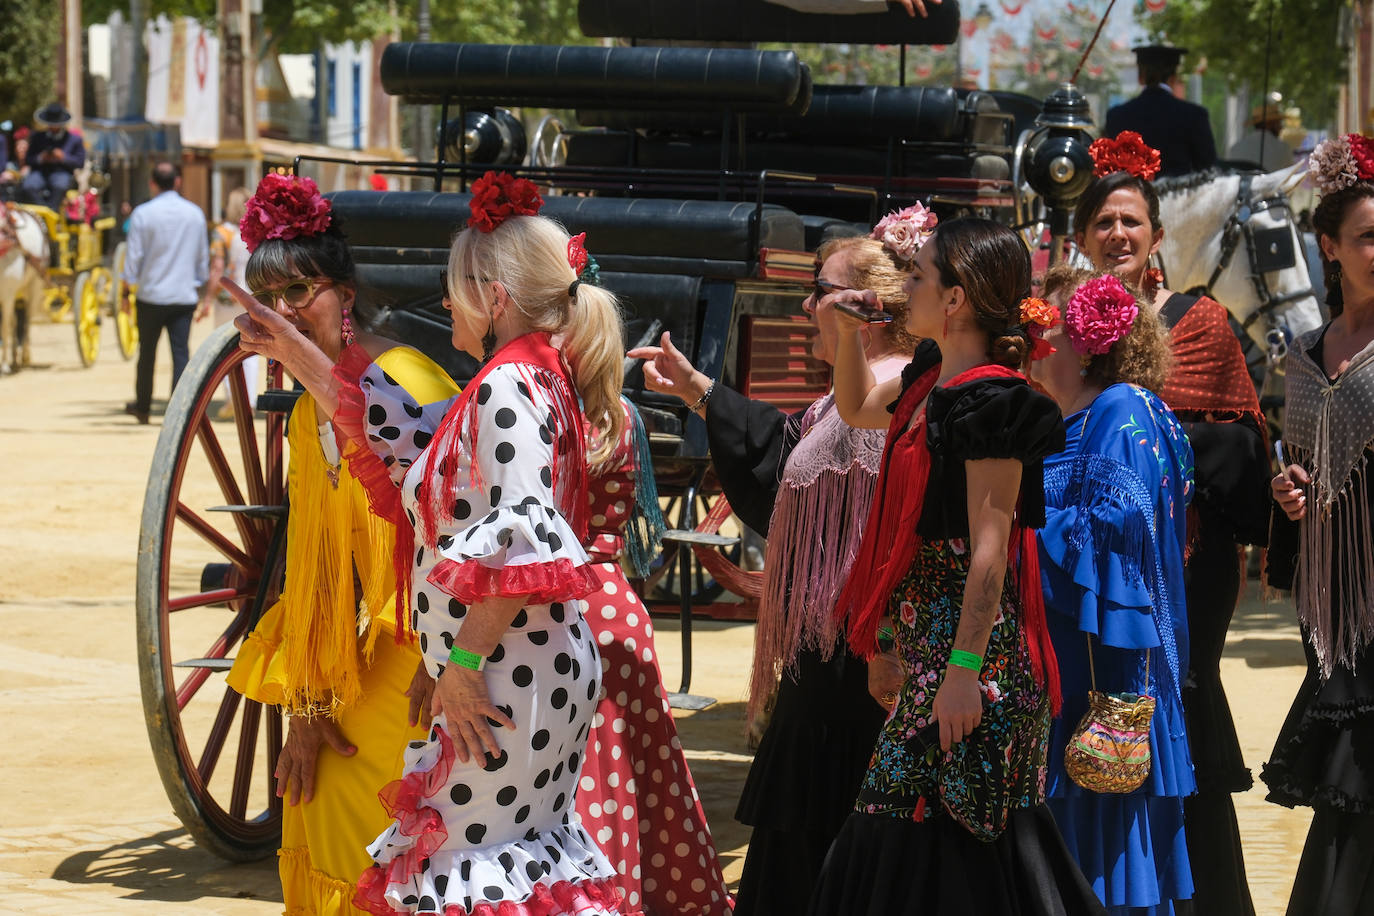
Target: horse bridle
(1268, 250)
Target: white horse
(1233, 236)
(23, 271)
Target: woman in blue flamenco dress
(1111, 559)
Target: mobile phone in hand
(865, 312)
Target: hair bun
(1010, 348)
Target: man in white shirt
(168, 261)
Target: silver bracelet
(705, 396)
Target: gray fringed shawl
(1329, 430)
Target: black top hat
(53, 114)
(1158, 56)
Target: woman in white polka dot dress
(636, 795)
(496, 498)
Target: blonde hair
(873, 266)
(528, 255)
(1141, 358)
(235, 203)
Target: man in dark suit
(55, 155)
(1179, 130)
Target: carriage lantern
(1058, 164)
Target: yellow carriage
(83, 283)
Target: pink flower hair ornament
(903, 232)
(284, 207)
(1340, 162)
(1098, 314)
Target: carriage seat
(701, 238)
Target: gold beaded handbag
(1109, 751)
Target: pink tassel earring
(347, 328)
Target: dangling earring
(1083, 363)
(945, 333)
(489, 340)
(346, 329)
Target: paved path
(84, 824)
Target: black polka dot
(421, 438)
(541, 531)
(376, 415)
(520, 619)
(538, 637)
(456, 610)
(390, 433)
(415, 411)
(522, 676)
(523, 813)
(496, 496)
(504, 452)
(441, 883)
(533, 870)
(572, 713)
(505, 418)
(546, 435)
(422, 602)
(426, 903)
(507, 861)
(445, 542)
(389, 380)
(553, 853)
(506, 796)
(577, 668)
(424, 643)
(504, 537)
(420, 557)
(558, 802)
(530, 501)
(525, 390)
(559, 698)
(558, 773)
(573, 761)
(530, 836)
(483, 393)
(448, 639)
(492, 764)
(592, 688)
(562, 663)
(410, 900)
(415, 745)
(542, 779)
(492, 892)
(539, 740)
(556, 613)
(465, 871)
(461, 794)
(461, 509)
(509, 713)
(475, 832)
(546, 476)
(555, 542)
(496, 655)
(388, 461)
(491, 517)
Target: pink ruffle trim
(563, 898)
(539, 583)
(402, 800)
(383, 495)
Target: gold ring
(889, 697)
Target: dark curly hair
(992, 265)
(1327, 220)
(1141, 358)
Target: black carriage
(705, 178)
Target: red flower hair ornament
(284, 207)
(1038, 316)
(1128, 152)
(1098, 314)
(497, 196)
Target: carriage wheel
(57, 303)
(211, 553)
(126, 323)
(86, 310)
(664, 584)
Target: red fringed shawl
(1209, 374)
(890, 541)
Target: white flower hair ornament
(903, 232)
(1340, 162)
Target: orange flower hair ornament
(1127, 152)
(1038, 316)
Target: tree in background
(1306, 60)
(29, 31)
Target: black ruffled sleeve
(1000, 418)
(926, 357)
(750, 442)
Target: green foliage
(28, 49)
(1306, 61)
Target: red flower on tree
(497, 196)
(284, 207)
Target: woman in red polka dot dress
(636, 796)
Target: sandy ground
(85, 826)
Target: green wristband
(886, 633)
(966, 659)
(465, 659)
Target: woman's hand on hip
(1290, 491)
(421, 694)
(299, 754)
(461, 695)
(958, 705)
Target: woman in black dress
(804, 480)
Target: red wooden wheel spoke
(248, 441)
(251, 533)
(197, 677)
(224, 719)
(204, 599)
(243, 765)
(217, 540)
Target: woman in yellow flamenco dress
(326, 652)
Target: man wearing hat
(1261, 147)
(55, 153)
(1179, 130)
